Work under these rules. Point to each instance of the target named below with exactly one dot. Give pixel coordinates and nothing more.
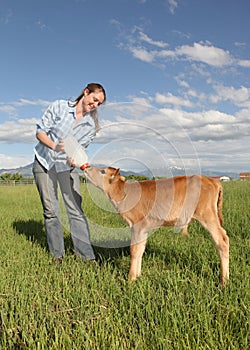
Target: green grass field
(176, 304)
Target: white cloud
(227, 155)
(8, 109)
(244, 115)
(203, 52)
(170, 99)
(143, 54)
(145, 122)
(239, 97)
(24, 102)
(195, 123)
(210, 55)
(18, 131)
(173, 4)
(166, 54)
(181, 34)
(244, 63)
(178, 135)
(141, 101)
(13, 162)
(182, 83)
(147, 39)
(239, 44)
(12, 108)
(181, 138)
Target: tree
(6, 177)
(136, 177)
(16, 177)
(11, 177)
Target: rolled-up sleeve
(48, 118)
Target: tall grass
(176, 304)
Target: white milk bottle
(75, 151)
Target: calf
(149, 204)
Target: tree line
(18, 177)
(11, 177)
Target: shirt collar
(72, 110)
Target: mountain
(212, 173)
(26, 171)
(175, 171)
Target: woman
(63, 118)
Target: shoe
(92, 262)
(59, 260)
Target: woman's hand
(71, 162)
(59, 147)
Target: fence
(28, 181)
(17, 182)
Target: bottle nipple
(84, 166)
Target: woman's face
(91, 100)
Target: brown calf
(146, 205)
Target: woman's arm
(46, 140)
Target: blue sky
(176, 73)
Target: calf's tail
(219, 205)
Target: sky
(176, 74)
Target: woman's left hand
(71, 162)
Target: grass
(176, 304)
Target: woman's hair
(92, 87)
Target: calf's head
(103, 177)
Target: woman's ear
(86, 92)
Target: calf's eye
(102, 171)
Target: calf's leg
(221, 241)
(184, 230)
(136, 253)
(222, 246)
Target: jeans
(47, 184)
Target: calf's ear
(115, 177)
(117, 172)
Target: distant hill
(26, 171)
(174, 171)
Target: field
(176, 304)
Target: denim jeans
(47, 184)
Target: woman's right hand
(59, 147)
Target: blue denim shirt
(59, 121)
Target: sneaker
(59, 260)
(91, 262)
